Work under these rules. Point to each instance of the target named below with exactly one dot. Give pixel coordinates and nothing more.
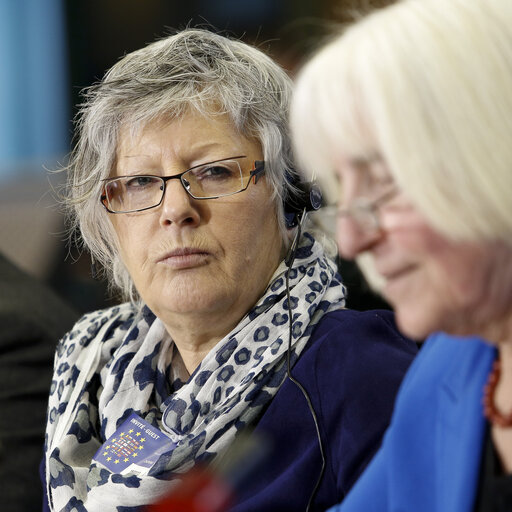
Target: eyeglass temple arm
(259, 169)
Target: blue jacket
(351, 369)
(430, 456)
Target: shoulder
(86, 349)
(89, 326)
(354, 355)
(359, 320)
(91, 323)
(444, 347)
(95, 319)
(348, 335)
(444, 357)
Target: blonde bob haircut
(428, 85)
(193, 70)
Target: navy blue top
(351, 369)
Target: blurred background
(51, 49)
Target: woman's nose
(354, 237)
(178, 207)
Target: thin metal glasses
(220, 178)
(365, 212)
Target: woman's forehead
(133, 128)
(181, 143)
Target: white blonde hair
(428, 83)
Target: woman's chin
(188, 300)
(413, 324)
(185, 305)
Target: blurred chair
(32, 319)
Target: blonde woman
(407, 116)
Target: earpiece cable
(290, 258)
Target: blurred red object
(199, 490)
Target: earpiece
(304, 197)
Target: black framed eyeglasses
(211, 180)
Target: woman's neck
(195, 337)
(192, 354)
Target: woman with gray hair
(181, 187)
(411, 111)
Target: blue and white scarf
(117, 361)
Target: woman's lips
(396, 277)
(397, 273)
(185, 258)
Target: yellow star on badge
(121, 434)
(116, 461)
(114, 440)
(138, 434)
(109, 458)
(134, 455)
(107, 447)
(105, 453)
(142, 439)
(140, 447)
(130, 431)
(126, 459)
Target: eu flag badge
(134, 447)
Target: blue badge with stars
(134, 447)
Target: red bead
(490, 411)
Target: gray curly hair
(196, 70)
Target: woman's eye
(383, 180)
(380, 173)
(215, 172)
(141, 181)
